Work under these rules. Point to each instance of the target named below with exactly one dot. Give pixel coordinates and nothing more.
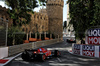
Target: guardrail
(12, 50)
(19, 48)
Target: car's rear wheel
(42, 57)
(57, 53)
(26, 57)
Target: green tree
(20, 9)
(20, 13)
(84, 14)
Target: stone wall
(43, 11)
(39, 23)
(4, 15)
(19, 48)
(55, 15)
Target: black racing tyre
(57, 53)
(26, 57)
(23, 56)
(41, 57)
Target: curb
(9, 59)
(70, 51)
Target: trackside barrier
(86, 50)
(3, 52)
(93, 36)
(20, 48)
(12, 50)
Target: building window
(6, 18)
(42, 27)
(36, 26)
(38, 17)
(41, 17)
(23, 29)
(26, 29)
(34, 16)
(2, 18)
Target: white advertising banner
(96, 51)
(93, 36)
(86, 39)
(3, 52)
(86, 50)
(76, 49)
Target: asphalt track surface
(66, 58)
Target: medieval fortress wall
(4, 15)
(39, 23)
(55, 15)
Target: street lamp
(6, 31)
(2, 20)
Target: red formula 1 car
(39, 54)
(71, 40)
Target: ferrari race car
(39, 54)
(71, 40)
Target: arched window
(42, 27)
(7, 19)
(23, 29)
(26, 29)
(41, 17)
(2, 18)
(38, 17)
(34, 16)
(36, 26)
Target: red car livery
(39, 54)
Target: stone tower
(55, 15)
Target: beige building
(49, 19)
(69, 30)
(43, 11)
(4, 15)
(39, 23)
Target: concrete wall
(3, 52)
(19, 48)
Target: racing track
(66, 58)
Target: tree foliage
(20, 9)
(84, 14)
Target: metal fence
(3, 31)
(20, 37)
